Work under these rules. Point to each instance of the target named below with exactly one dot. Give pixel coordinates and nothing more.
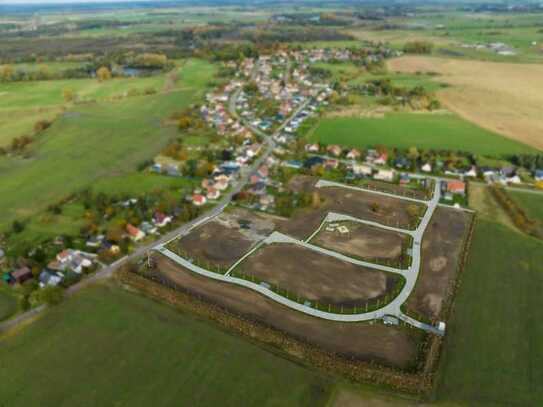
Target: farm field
(92, 142)
(532, 203)
(479, 94)
(422, 130)
(140, 353)
(493, 350)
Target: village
(257, 119)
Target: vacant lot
(110, 347)
(494, 347)
(369, 206)
(441, 248)
(215, 244)
(317, 277)
(504, 98)
(363, 241)
(390, 346)
(422, 130)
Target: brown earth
(389, 346)
(441, 249)
(363, 241)
(317, 277)
(389, 211)
(216, 244)
(502, 97)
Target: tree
(413, 153)
(103, 74)
(17, 226)
(413, 211)
(48, 295)
(6, 73)
(184, 122)
(68, 95)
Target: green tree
(48, 295)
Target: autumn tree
(103, 74)
(68, 95)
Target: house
(456, 187)
(404, 179)
(313, 161)
(331, 164)
(213, 193)
(312, 148)
(266, 200)
(426, 167)
(353, 154)
(334, 149)
(385, 175)
(263, 171)
(221, 185)
(134, 233)
(50, 278)
(362, 169)
(148, 228)
(95, 241)
(198, 200)
(21, 275)
(160, 219)
(538, 175)
(381, 159)
(296, 164)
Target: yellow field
(502, 97)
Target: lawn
(494, 349)
(107, 346)
(93, 142)
(423, 130)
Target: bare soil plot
(369, 206)
(215, 243)
(390, 346)
(502, 97)
(441, 249)
(363, 241)
(396, 189)
(317, 277)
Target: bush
(47, 295)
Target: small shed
(21, 275)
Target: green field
(107, 346)
(91, 142)
(423, 130)
(8, 301)
(532, 203)
(22, 104)
(494, 349)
